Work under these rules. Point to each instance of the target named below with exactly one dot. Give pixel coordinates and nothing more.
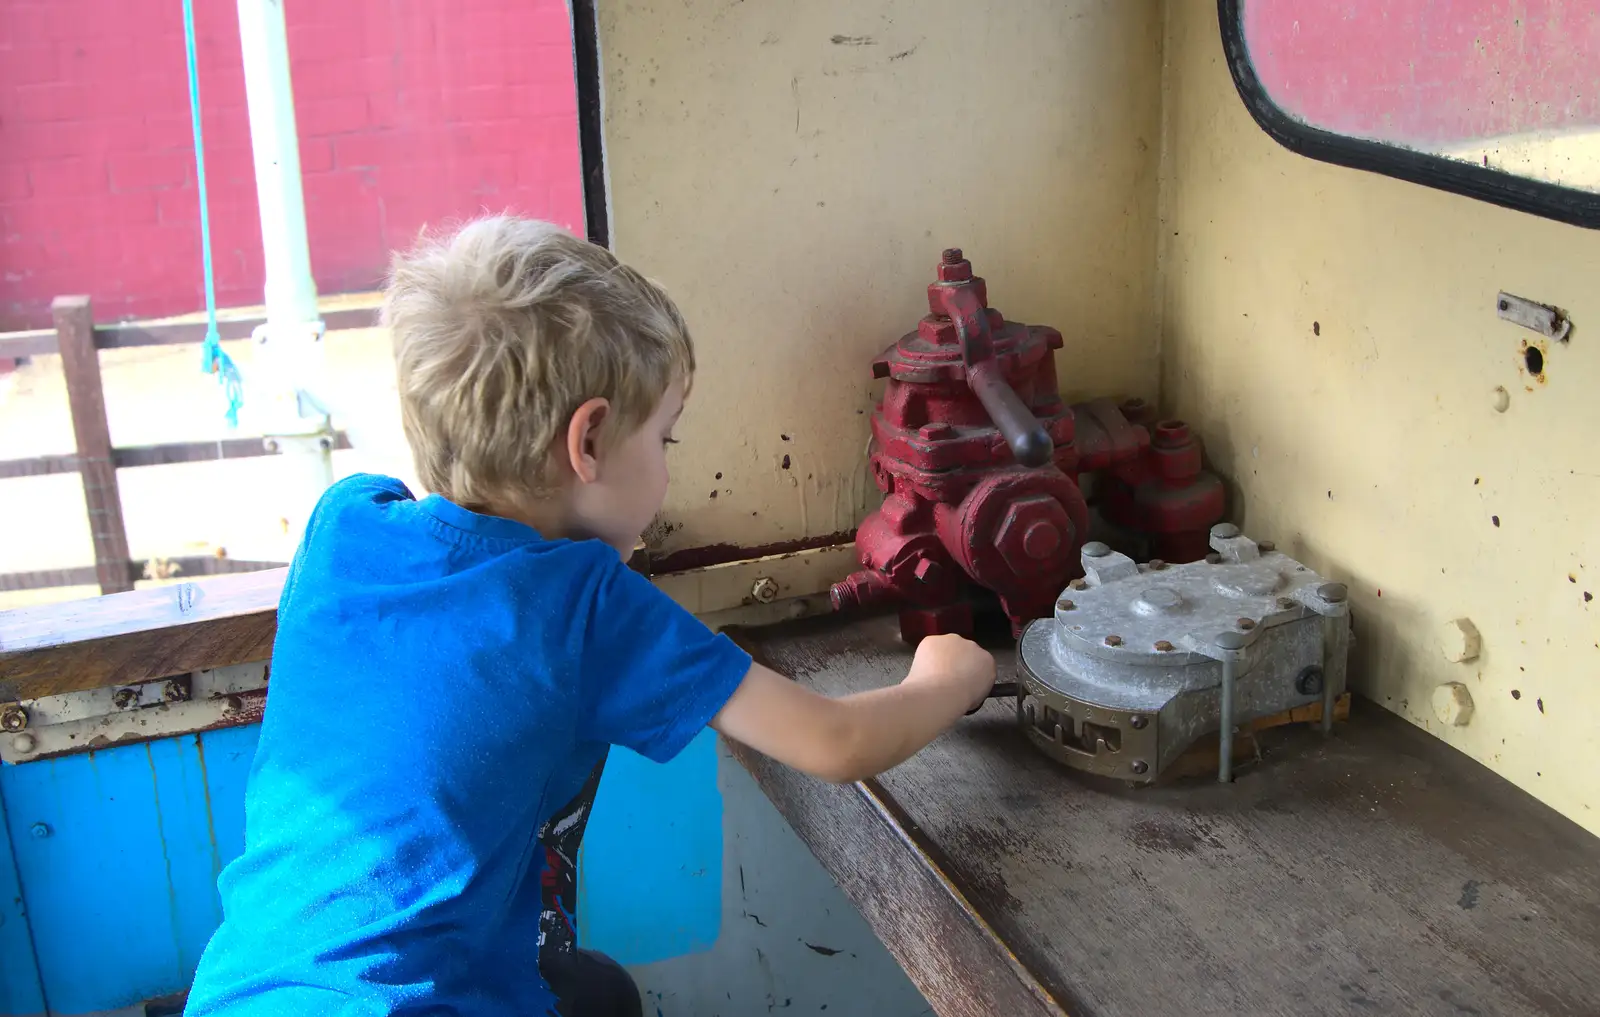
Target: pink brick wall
(410, 112)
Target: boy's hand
(857, 736)
(963, 666)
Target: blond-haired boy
(449, 672)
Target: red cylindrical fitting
(1174, 453)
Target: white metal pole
(295, 415)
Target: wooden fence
(78, 340)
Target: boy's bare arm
(858, 736)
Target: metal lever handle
(1001, 690)
(1030, 445)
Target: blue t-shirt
(442, 681)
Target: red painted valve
(978, 459)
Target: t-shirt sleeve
(654, 673)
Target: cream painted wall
(791, 172)
(1333, 334)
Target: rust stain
(722, 554)
(205, 791)
(166, 856)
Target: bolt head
(1138, 723)
(1213, 559)
(1224, 531)
(40, 831)
(1079, 584)
(13, 718)
(1163, 646)
(1334, 593)
(928, 571)
(1113, 640)
(1139, 766)
(1247, 623)
(764, 590)
(1310, 681)
(1460, 641)
(1065, 605)
(24, 743)
(1031, 533)
(1095, 549)
(1157, 565)
(1452, 704)
(1229, 641)
(1266, 546)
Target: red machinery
(979, 461)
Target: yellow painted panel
(791, 172)
(1333, 334)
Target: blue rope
(213, 358)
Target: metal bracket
(74, 722)
(1541, 318)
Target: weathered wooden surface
(80, 363)
(1373, 872)
(138, 636)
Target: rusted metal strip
(154, 455)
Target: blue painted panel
(20, 992)
(651, 872)
(122, 892)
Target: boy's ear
(583, 439)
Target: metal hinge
(74, 722)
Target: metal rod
(1331, 656)
(1225, 760)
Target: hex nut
(175, 691)
(1460, 641)
(1163, 646)
(13, 718)
(1113, 640)
(125, 699)
(1452, 704)
(1030, 534)
(764, 590)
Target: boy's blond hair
(501, 330)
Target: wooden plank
(166, 454)
(358, 310)
(80, 362)
(85, 575)
(951, 955)
(138, 636)
(35, 342)
(1376, 871)
(177, 333)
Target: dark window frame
(1551, 201)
